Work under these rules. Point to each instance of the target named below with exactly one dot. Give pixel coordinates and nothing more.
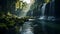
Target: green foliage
(8, 22)
(2, 25)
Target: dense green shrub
(11, 24)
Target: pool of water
(41, 27)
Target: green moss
(11, 23)
(8, 22)
(17, 29)
(2, 25)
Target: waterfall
(31, 13)
(52, 11)
(27, 29)
(43, 11)
(43, 17)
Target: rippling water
(27, 29)
(40, 27)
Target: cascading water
(43, 17)
(51, 11)
(27, 29)
(43, 11)
(50, 16)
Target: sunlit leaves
(21, 5)
(2, 25)
(46, 1)
(17, 4)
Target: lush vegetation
(10, 23)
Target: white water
(27, 29)
(43, 17)
(43, 11)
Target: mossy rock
(11, 23)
